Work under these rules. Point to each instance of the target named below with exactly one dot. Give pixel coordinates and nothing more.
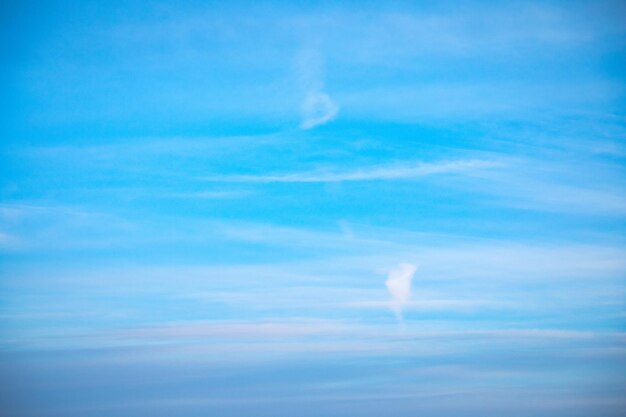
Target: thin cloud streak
(395, 172)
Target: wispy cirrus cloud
(207, 195)
(317, 108)
(391, 172)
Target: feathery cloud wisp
(391, 172)
(399, 286)
(317, 109)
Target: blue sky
(320, 209)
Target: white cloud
(399, 286)
(207, 195)
(317, 109)
(365, 174)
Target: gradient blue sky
(201, 203)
